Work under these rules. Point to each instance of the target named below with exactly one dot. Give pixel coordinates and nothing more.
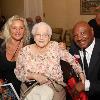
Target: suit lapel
(93, 60)
(79, 60)
(94, 57)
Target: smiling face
(41, 36)
(17, 30)
(83, 34)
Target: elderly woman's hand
(79, 87)
(38, 77)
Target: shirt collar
(90, 48)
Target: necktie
(85, 63)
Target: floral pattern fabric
(47, 63)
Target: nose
(79, 37)
(41, 36)
(18, 30)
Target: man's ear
(92, 31)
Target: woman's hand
(38, 77)
(82, 77)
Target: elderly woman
(41, 61)
(16, 36)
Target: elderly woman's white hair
(44, 25)
(6, 31)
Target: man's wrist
(87, 85)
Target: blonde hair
(41, 24)
(6, 31)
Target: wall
(58, 13)
(63, 13)
(0, 9)
(26, 8)
(55, 12)
(12, 7)
(33, 8)
(73, 9)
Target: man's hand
(79, 87)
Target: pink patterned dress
(47, 63)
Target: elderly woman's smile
(42, 37)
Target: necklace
(15, 51)
(12, 52)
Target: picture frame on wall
(88, 7)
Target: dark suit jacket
(94, 69)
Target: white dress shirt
(88, 57)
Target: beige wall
(0, 9)
(58, 13)
(73, 9)
(55, 12)
(12, 7)
(63, 13)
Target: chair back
(57, 34)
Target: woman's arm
(66, 56)
(20, 68)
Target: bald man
(83, 37)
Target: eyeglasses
(42, 35)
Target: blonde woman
(16, 35)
